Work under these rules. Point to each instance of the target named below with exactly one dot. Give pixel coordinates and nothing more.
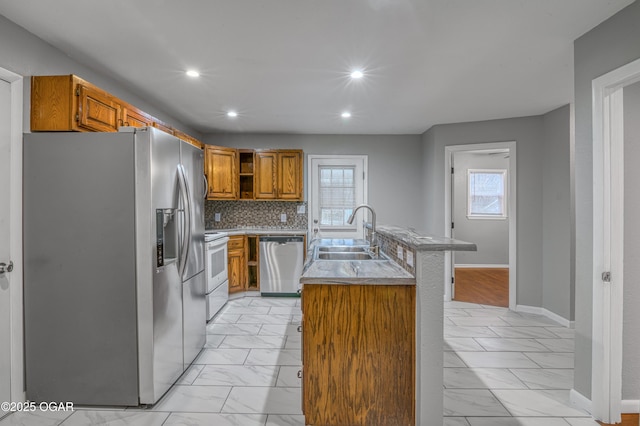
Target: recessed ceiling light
(232, 114)
(346, 114)
(193, 73)
(356, 74)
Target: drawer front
(236, 242)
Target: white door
(5, 297)
(337, 184)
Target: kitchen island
(354, 315)
(358, 344)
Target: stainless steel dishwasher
(281, 259)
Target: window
(486, 194)
(337, 184)
(337, 197)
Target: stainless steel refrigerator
(114, 283)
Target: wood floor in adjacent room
(486, 286)
(627, 420)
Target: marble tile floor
(245, 376)
(501, 369)
(504, 368)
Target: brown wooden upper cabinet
(221, 168)
(135, 118)
(278, 175)
(183, 136)
(69, 103)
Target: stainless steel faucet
(373, 246)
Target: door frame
(312, 197)
(511, 211)
(15, 235)
(608, 241)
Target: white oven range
(216, 270)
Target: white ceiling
(284, 64)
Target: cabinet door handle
(299, 374)
(299, 329)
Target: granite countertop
(362, 272)
(261, 231)
(424, 242)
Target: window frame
(504, 202)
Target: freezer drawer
(217, 299)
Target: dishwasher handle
(282, 239)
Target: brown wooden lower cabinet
(358, 354)
(237, 263)
(243, 263)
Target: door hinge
(77, 91)
(451, 225)
(606, 277)
(452, 170)
(452, 280)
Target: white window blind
(487, 195)
(337, 195)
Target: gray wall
(528, 134)
(395, 166)
(631, 314)
(490, 235)
(25, 54)
(606, 47)
(543, 145)
(557, 216)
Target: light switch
(409, 258)
(301, 209)
(216, 217)
(283, 217)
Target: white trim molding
(608, 241)
(546, 313)
(580, 401)
(630, 406)
(15, 236)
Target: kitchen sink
(344, 256)
(343, 249)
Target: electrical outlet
(216, 217)
(302, 209)
(409, 258)
(283, 217)
(400, 253)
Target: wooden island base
(358, 352)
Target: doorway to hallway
(480, 207)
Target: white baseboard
(483, 265)
(547, 313)
(629, 406)
(580, 401)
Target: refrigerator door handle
(186, 201)
(206, 187)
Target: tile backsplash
(236, 214)
(390, 245)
